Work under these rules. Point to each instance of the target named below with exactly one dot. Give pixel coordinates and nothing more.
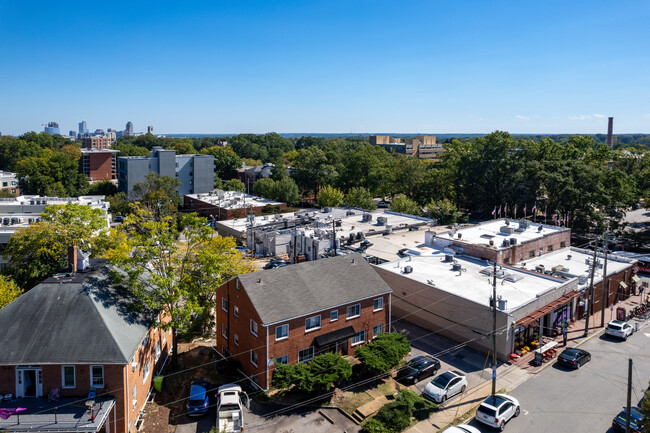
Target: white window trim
(224, 331)
(236, 340)
(359, 342)
(235, 311)
(74, 377)
(134, 396)
(251, 358)
(92, 385)
(373, 304)
(320, 323)
(251, 327)
(158, 351)
(276, 332)
(380, 332)
(224, 304)
(348, 309)
(134, 363)
(337, 315)
(283, 356)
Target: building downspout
(128, 406)
(267, 358)
(390, 310)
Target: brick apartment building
(98, 164)
(9, 183)
(294, 313)
(77, 332)
(101, 141)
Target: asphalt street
(584, 400)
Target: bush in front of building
(396, 416)
(384, 352)
(316, 375)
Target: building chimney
(610, 128)
(72, 259)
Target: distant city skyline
(327, 67)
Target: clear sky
(369, 66)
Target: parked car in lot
(574, 358)
(418, 368)
(497, 410)
(199, 400)
(636, 421)
(462, 428)
(445, 385)
(620, 329)
(276, 263)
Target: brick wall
(298, 338)
(101, 166)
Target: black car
(276, 263)
(418, 368)
(636, 421)
(574, 358)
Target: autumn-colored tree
(8, 291)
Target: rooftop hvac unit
(507, 230)
(5, 221)
(539, 268)
(408, 269)
(382, 221)
(366, 217)
(505, 243)
(456, 267)
(524, 224)
(501, 303)
(513, 241)
(449, 258)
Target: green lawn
(354, 400)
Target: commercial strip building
(312, 231)
(450, 293)
(294, 313)
(195, 172)
(9, 183)
(220, 204)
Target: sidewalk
(511, 375)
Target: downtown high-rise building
(83, 128)
(52, 128)
(129, 129)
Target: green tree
(403, 204)
(226, 161)
(444, 211)
(645, 410)
(53, 173)
(9, 291)
(103, 187)
(384, 352)
(40, 250)
(329, 196)
(234, 185)
(360, 198)
(396, 416)
(317, 375)
(172, 277)
(158, 194)
(285, 190)
(264, 187)
(119, 204)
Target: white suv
(497, 410)
(620, 329)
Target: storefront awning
(623, 285)
(636, 279)
(334, 336)
(551, 306)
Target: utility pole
(629, 396)
(494, 329)
(605, 294)
(590, 298)
(334, 236)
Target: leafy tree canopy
(158, 195)
(384, 352)
(317, 375)
(329, 196)
(403, 204)
(360, 198)
(9, 291)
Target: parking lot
(451, 356)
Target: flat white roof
(431, 268)
(575, 263)
(232, 199)
(352, 220)
(482, 233)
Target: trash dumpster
(157, 383)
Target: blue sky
(326, 66)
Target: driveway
(298, 420)
(451, 356)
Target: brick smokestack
(610, 130)
(72, 259)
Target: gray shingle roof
(78, 319)
(300, 289)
